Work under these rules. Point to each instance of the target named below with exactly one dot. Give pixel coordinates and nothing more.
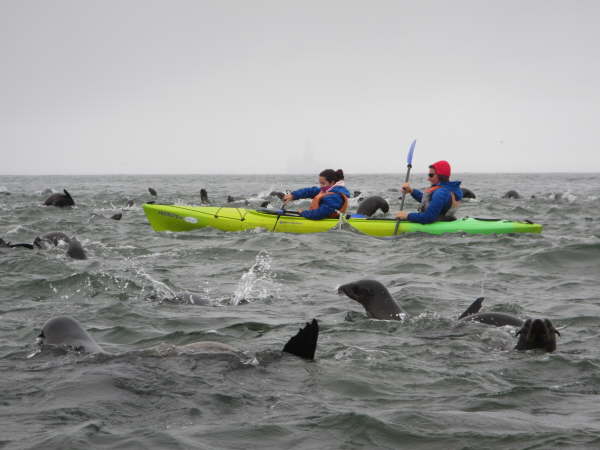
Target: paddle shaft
(403, 191)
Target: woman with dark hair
(440, 201)
(327, 200)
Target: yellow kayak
(187, 218)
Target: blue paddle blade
(410, 152)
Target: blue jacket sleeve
(439, 199)
(328, 206)
(417, 195)
(309, 192)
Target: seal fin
(473, 309)
(304, 343)
(29, 246)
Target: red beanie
(442, 168)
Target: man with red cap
(440, 201)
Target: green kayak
(187, 218)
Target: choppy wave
(425, 382)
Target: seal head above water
(537, 334)
(67, 332)
(375, 298)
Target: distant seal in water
(370, 205)
(74, 250)
(60, 200)
(152, 191)
(537, 334)
(117, 216)
(375, 298)
(67, 332)
(204, 196)
(467, 193)
(533, 333)
(511, 194)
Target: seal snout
(39, 340)
(537, 333)
(355, 291)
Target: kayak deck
(187, 218)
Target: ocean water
(427, 382)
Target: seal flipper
(29, 246)
(304, 343)
(473, 309)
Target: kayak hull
(188, 218)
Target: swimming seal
(533, 333)
(60, 200)
(204, 196)
(152, 191)
(537, 334)
(75, 249)
(370, 205)
(497, 319)
(67, 332)
(511, 194)
(375, 298)
(467, 193)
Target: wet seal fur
(204, 197)
(496, 319)
(375, 298)
(511, 194)
(75, 249)
(370, 205)
(6, 244)
(533, 333)
(537, 334)
(379, 304)
(467, 193)
(60, 200)
(67, 332)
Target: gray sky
(297, 86)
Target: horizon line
(270, 173)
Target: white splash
(257, 283)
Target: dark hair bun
(340, 174)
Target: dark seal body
(68, 332)
(370, 205)
(60, 200)
(375, 298)
(511, 194)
